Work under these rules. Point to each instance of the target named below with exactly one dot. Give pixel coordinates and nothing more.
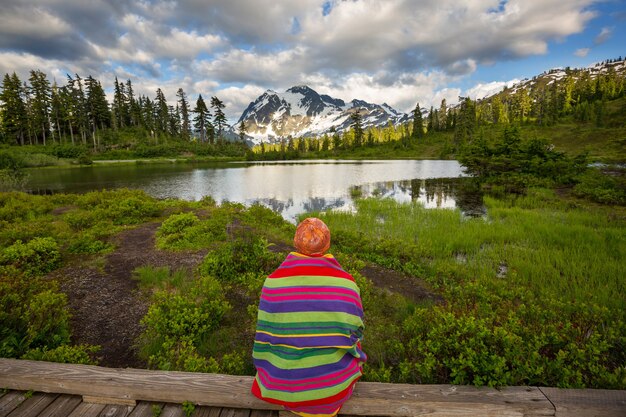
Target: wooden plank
(207, 412)
(172, 410)
(240, 412)
(87, 410)
(262, 413)
(109, 400)
(115, 410)
(228, 391)
(10, 401)
(34, 405)
(62, 406)
(227, 412)
(587, 402)
(145, 409)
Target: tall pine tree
(202, 121)
(13, 117)
(184, 114)
(418, 123)
(219, 117)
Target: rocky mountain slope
(301, 111)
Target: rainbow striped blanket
(307, 349)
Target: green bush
(177, 223)
(533, 345)
(15, 206)
(86, 243)
(11, 160)
(601, 188)
(231, 261)
(176, 323)
(33, 314)
(80, 220)
(185, 231)
(36, 257)
(82, 354)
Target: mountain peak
(303, 89)
(301, 111)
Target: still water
(288, 187)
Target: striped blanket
(307, 349)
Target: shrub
(36, 257)
(177, 223)
(82, 354)
(186, 231)
(176, 323)
(33, 314)
(601, 188)
(86, 243)
(535, 344)
(131, 210)
(231, 261)
(80, 220)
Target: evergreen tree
(325, 143)
(431, 119)
(184, 114)
(242, 131)
(466, 122)
(134, 112)
(370, 138)
(162, 112)
(202, 119)
(40, 95)
(336, 138)
(219, 117)
(357, 129)
(13, 115)
(443, 113)
(97, 108)
(174, 120)
(57, 110)
(418, 123)
(119, 104)
(77, 106)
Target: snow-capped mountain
(301, 111)
(556, 75)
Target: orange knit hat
(312, 237)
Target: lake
(288, 187)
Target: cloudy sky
(394, 51)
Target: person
(307, 347)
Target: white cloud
(603, 36)
(582, 52)
(394, 51)
(236, 99)
(483, 90)
(33, 23)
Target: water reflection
(289, 188)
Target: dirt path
(107, 306)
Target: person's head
(312, 237)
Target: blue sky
(394, 51)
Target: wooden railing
(369, 399)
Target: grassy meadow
(532, 293)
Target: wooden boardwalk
(38, 404)
(82, 390)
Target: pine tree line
(39, 113)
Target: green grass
(574, 253)
(535, 291)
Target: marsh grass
(531, 289)
(573, 253)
